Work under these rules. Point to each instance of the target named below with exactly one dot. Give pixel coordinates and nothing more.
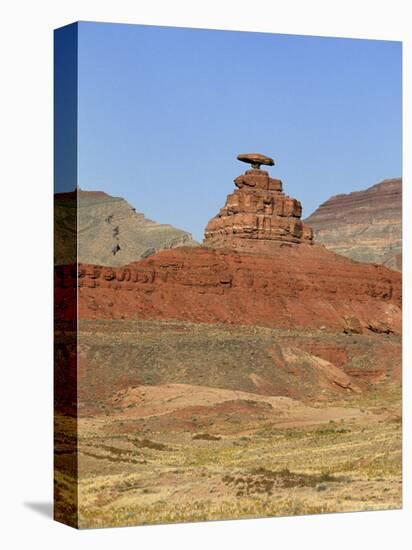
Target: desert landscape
(256, 374)
(154, 448)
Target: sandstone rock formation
(256, 160)
(287, 282)
(258, 216)
(295, 287)
(110, 231)
(364, 225)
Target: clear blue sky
(164, 111)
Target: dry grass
(172, 477)
(219, 462)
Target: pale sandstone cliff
(110, 231)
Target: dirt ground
(178, 450)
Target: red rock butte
(258, 216)
(258, 266)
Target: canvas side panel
(65, 275)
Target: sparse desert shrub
(150, 444)
(262, 480)
(207, 437)
(327, 476)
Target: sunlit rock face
(258, 216)
(365, 225)
(108, 230)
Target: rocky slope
(110, 231)
(297, 364)
(305, 287)
(365, 225)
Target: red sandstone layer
(257, 212)
(302, 286)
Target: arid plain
(153, 448)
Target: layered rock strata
(364, 225)
(302, 287)
(109, 230)
(286, 282)
(257, 216)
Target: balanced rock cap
(256, 159)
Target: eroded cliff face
(296, 287)
(257, 266)
(110, 231)
(365, 225)
(258, 216)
